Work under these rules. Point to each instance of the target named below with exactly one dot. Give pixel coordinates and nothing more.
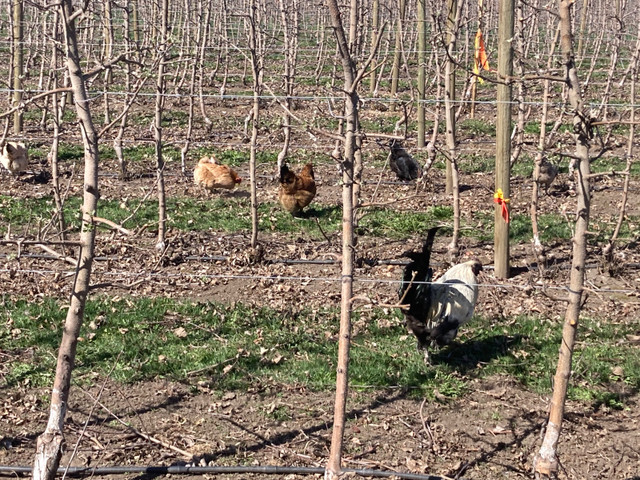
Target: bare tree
(348, 245)
(455, 7)
(18, 66)
(49, 444)
(163, 45)
(538, 248)
(546, 461)
(289, 12)
(256, 52)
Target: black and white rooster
(402, 163)
(435, 311)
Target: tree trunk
(157, 126)
(397, 54)
(375, 24)
(422, 47)
(18, 68)
(49, 444)
(257, 59)
(452, 186)
(538, 248)
(348, 245)
(450, 97)
(546, 462)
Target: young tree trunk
(107, 53)
(422, 47)
(200, 42)
(18, 67)
(53, 153)
(289, 14)
(375, 25)
(546, 463)
(118, 139)
(49, 444)
(453, 182)
(607, 251)
(162, 40)
(334, 465)
(256, 50)
(503, 137)
(538, 248)
(397, 54)
(449, 102)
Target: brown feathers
(212, 175)
(296, 191)
(14, 157)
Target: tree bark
(49, 444)
(453, 182)
(18, 68)
(546, 463)
(422, 47)
(257, 60)
(163, 44)
(348, 244)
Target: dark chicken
(435, 311)
(296, 191)
(402, 163)
(548, 173)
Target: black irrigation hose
(184, 470)
(289, 261)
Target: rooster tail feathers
(417, 295)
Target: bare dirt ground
(490, 433)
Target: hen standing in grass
(212, 175)
(14, 157)
(402, 163)
(437, 310)
(296, 191)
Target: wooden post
(503, 135)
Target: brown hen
(212, 175)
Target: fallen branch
(113, 225)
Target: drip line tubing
(187, 470)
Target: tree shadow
(283, 438)
(319, 212)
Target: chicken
(437, 310)
(14, 157)
(296, 191)
(548, 172)
(402, 163)
(212, 175)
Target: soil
(492, 432)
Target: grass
(237, 347)
(230, 214)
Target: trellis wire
(297, 278)
(96, 94)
